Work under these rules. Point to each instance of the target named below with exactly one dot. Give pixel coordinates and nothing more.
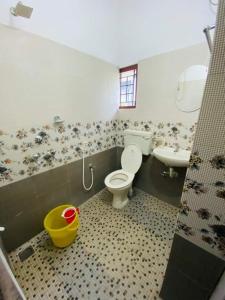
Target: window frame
(126, 69)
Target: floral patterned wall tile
(29, 151)
(202, 215)
(202, 218)
(173, 134)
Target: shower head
(21, 10)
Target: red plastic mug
(69, 214)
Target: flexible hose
(92, 176)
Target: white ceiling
(118, 31)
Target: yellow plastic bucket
(61, 233)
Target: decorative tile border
(30, 151)
(174, 134)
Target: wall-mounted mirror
(190, 88)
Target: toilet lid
(131, 159)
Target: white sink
(172, 158)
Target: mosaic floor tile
(118, 254)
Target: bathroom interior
(115, 108)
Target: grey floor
(118, 254)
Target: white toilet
(120, 182)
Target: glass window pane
(130, 89)
(123, 98)
(123, 90)
(123, 81)
(129, 82)
(130, 97)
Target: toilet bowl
(119, 182)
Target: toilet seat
(131, 161)
(119, 179)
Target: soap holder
(58, 120)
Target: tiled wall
(30, 151)
(41, 168)
(172, 133)
(197, 258)
(24, 204)
(149, 179)
(202, 218)
(192, 272)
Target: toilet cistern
(120, 182)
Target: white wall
(121, 32)
(151, 27)
(86, 25)
(40, 78)
(157, 84)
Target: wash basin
(172, 158)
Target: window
(128, 86)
